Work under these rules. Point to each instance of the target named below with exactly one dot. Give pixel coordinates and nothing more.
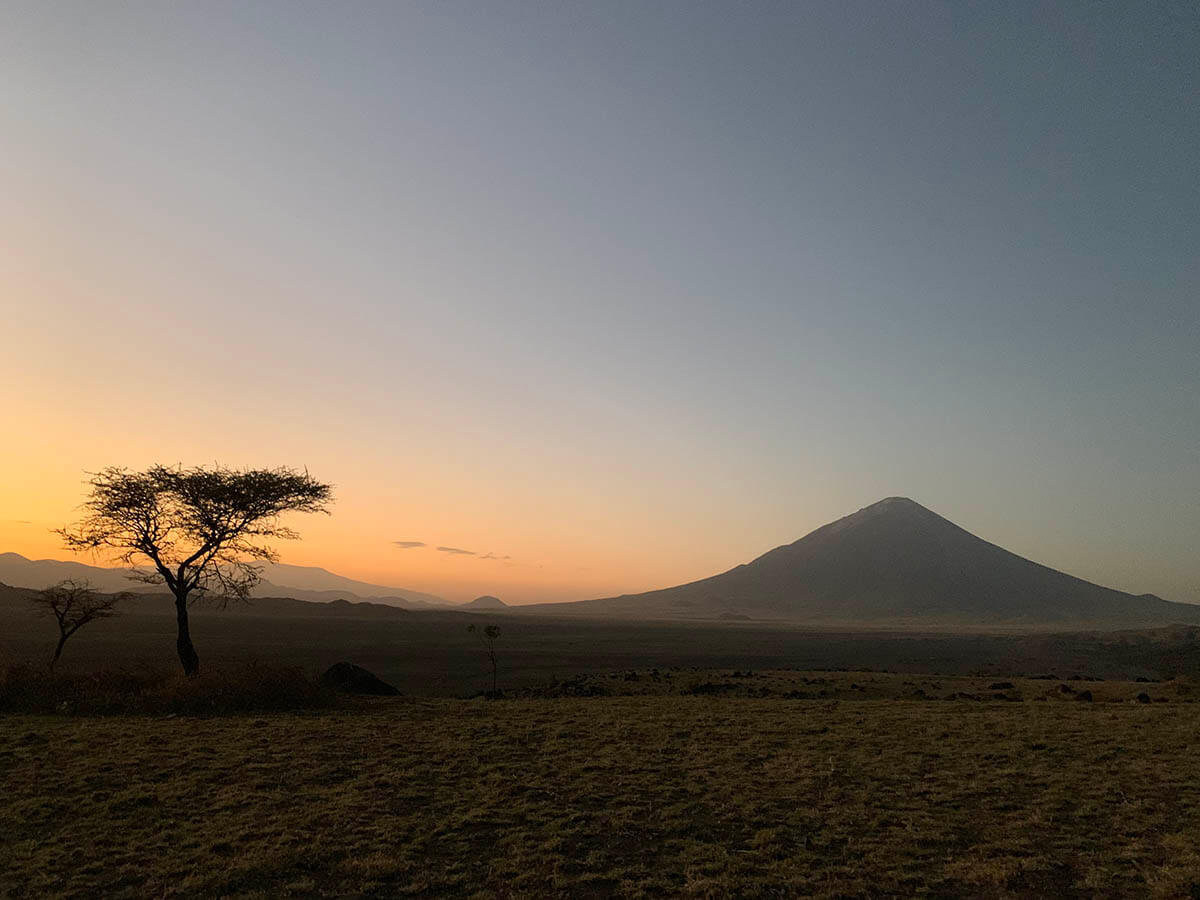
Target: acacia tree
(200, 531)
(73, 604)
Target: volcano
(891, 563)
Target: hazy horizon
(579, 300)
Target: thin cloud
(494, 556)
(455, 551)
(409, 545)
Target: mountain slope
(894, 561)
(299, 582)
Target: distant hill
(14, 596)
(314, 580)
(299, 582)
(485, 602)
(163, 605)
(893, 563)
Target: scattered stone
(351, 679)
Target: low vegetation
(243, 688)
(873, 790)
(864, 684)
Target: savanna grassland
(431, 653)
(703, 783)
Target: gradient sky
(627, 293)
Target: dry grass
(631, 796)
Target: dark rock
(351, 679)
(1085, 696)
(1001, 686)
(1143, 698)
(1066, 689)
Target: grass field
(645, 793)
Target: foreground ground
(644, 795)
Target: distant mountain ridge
(892, 563)
(308, 583)
(160, 604)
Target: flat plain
(704, 783)
(431, 653)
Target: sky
(612, 296)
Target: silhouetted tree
(488, 635)
(73, 604)
(202, 530)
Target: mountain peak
(894, 505)
(888, 509)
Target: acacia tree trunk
(62, 639)
(183, 642)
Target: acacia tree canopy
(202, 532)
